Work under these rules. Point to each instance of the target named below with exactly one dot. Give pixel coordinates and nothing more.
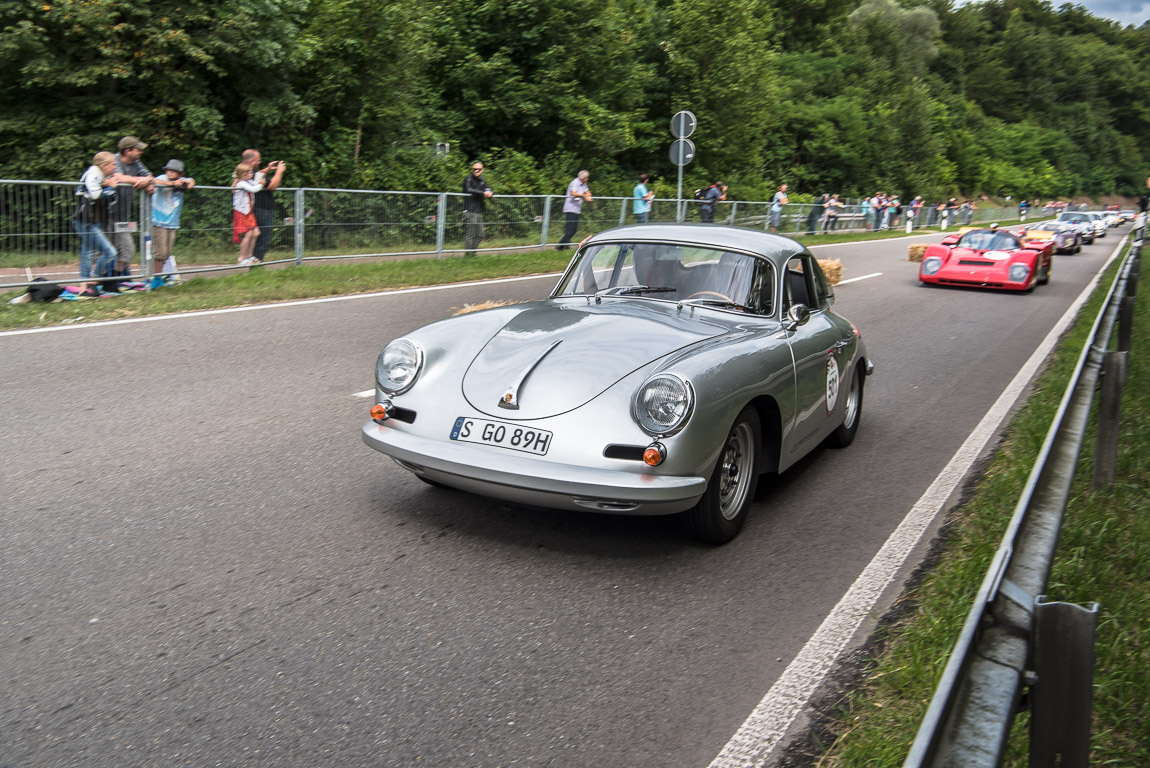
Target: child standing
(244, 230)
(167, 200)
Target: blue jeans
(94, 241)
(642, 218)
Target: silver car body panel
(574, 363)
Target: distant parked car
(670, 367)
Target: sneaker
(246, 262)
(156, 282)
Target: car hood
(556, 356)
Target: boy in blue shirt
(167, 200)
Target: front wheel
(844, 435)
(721, 512)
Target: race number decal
(832, 381)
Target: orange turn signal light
(379, 412)
(654, 455)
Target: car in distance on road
(672, 365)
(1082, 221)
(1066, 237)
(989, 257)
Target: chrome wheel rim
(735, 471)
(851, 406)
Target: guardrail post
(440, 224)
(1113, 374)
(298, 224)
(1060, 698)
(623, 210)
(546, 219)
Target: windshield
(672, 272)
(1073, 218)
(986, 240)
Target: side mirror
(950, 240)
(798, 315)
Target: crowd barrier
(37, 238)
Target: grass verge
(1103, 555)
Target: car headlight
(663, 404)
(932, 265)
(1019, 272)
(398, 365)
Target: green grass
(1103, 556)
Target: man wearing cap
(131, 171)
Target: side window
(761, 297)
(823, 291)
(797, 284)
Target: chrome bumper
(527, 480)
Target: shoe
(246, 262)
(23, 298)
(156, 282)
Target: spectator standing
(875, 211)
(476, 193)
(96, 191)
(577, 193)
(964, 212)
(714, 193)
(864, 209)
(777, 203)
(167, 201)
(129, 170)
(641, 200)
(914, 210)
(816, 213)
(263, 202)
(830, 218)
(895, 209)
(244, 229)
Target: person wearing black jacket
(477, 191)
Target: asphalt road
(201, 563)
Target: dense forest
(918, 96)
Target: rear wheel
(721, 512)
(852, 414)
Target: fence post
(623, 210)
(1061, 696)
(298, 215)
(440, 224)
(546, 219)
(734, 210)
(146, 243)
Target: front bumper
(964, 276)
(525, 480)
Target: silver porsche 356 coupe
(670, 367)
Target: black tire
(844, 435)
(1078, 246)
(1045, 279)
(721, 512)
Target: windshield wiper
(713, 303)
(628, 290)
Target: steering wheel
(710, 293)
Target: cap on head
(175, 165)
(131, 142)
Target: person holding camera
(263, 202)
(167, 200)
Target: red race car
(987, 257)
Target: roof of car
(735, 238)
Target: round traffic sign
(682, 151)
(683, 124)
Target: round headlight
(931, 265)
(1019, 272)
(663, 404)
(398, 365)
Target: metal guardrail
(36, 231)
(1013, 637)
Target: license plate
(504, 435)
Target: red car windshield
(986, 240)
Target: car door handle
(841, 345)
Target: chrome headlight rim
(664, 429)
(409, 351)
(931, 265)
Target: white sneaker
(247, 261)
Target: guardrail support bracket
(1060, 700)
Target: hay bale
(915, 251)
(489, 304)
(833, 269)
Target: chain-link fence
(37, 237)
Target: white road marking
(258, 307)
(756, 739)
(365, 393)
(861, 277)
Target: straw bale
(915, 251)
(833, 269)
